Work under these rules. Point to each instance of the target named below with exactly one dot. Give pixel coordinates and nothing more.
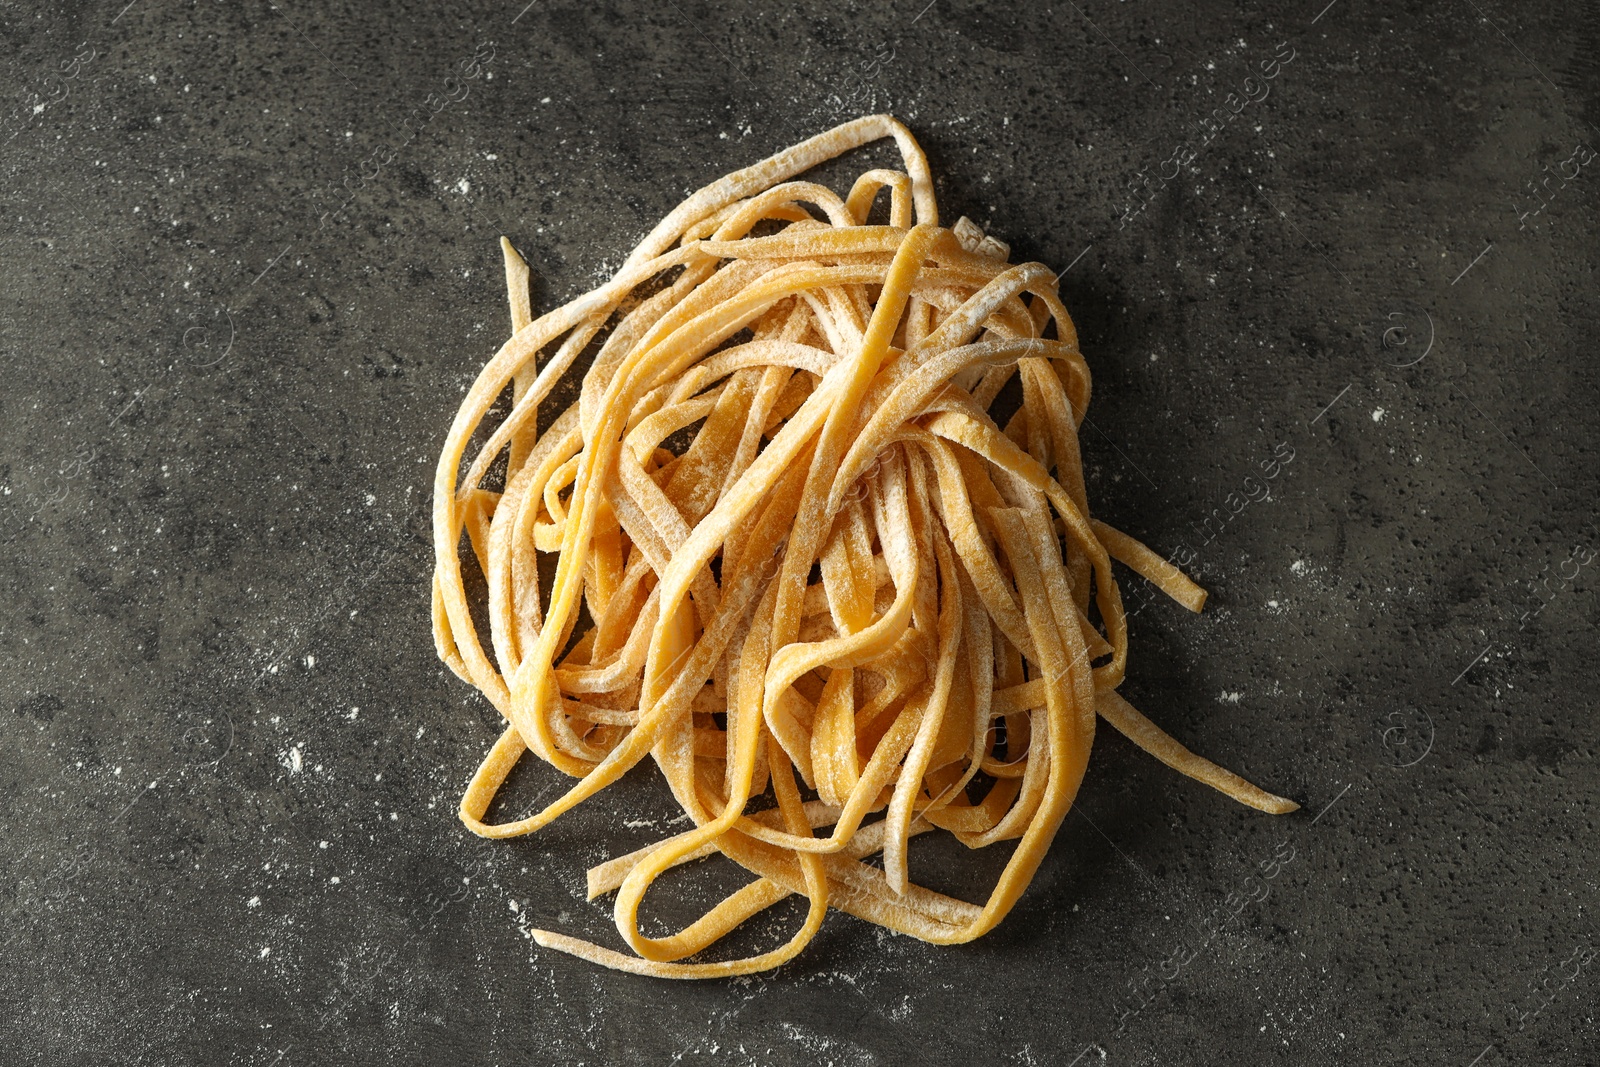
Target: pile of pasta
(847, 607)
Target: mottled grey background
(231, 760)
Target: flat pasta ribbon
(797, 561)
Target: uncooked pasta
(797, 561)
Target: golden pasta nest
(849, 607)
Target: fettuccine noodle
(851, 609)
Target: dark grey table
(251, 264)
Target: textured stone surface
(231, 760)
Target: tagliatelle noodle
(846, 579)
